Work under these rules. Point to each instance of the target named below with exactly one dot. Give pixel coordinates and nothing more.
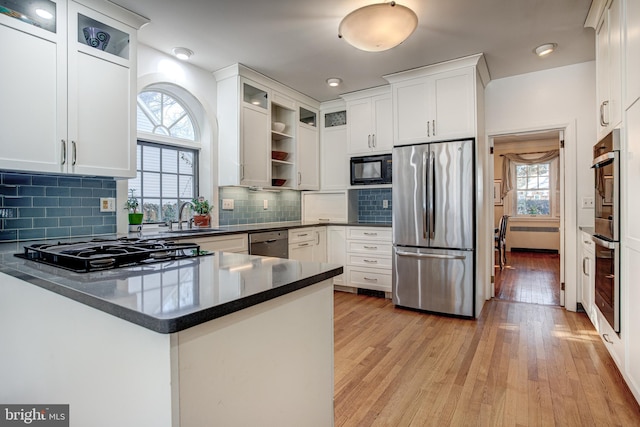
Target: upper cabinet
(370, 127)
(308, 149)
(76, 80)
(268, 135)
(437, 102)
(608, 27)
(632, 51)
(334, 160)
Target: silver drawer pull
(370, 279)
(370, 261)
(370, 234)
(371, 247)
(302, 235)
(302, 244)
(438, 256)
(606, 338)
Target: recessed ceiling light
(44, 14)
(545, 49)
(334, 81)
(182, 53)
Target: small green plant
(201, 205)
(132, 203)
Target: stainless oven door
(607, 287)
(606, 165)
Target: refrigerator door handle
(438, 256)
(425, 165)
(432, 199)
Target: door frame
(563, 175)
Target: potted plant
(201, 208)
(132, 204)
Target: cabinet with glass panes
(52, 79)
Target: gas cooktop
(103, 254)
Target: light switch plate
(107, 204)
(265, 204)
(227, 204)
(587, 202)
(385, 204)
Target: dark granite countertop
(171, 296)
(250, 228)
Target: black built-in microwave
(367, 170)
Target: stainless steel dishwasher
(270, 243)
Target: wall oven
(606, 164)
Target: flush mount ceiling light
(545, 49)
(378, 27)
(44, 14)
(334, 81)
(182, 53)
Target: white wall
(157, 67)
(560, 98)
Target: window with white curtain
(535, 191)
(167, 171)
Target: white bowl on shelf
(278, 126)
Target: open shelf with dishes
(283, 168)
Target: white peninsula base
(270, 364)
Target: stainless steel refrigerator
(434, 227)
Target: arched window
(162, 114)
(167, 166)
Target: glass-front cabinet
(73, 75)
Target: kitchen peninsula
(189, 342)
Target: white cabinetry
(437, 102)
(248, 104)
(330, 206)
(588, 276)
(632, 52)
(308, 244)
(370, 126)
(609, 69)
(369, 251)
(334, 160)
(308, 149)
(72, 106)
(238, 243)
(336, 249)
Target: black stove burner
(102, 254)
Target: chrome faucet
(182, 206)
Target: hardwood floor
(518, 365)
(529, 277)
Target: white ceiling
(295, 41)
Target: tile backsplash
(47, 206)
(249, 208)
(371, 205)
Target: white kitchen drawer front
(612, 340)
(367, 233)
(374, 261)
(378, 280)
(301, 235)
(238, 243)
(379, 248)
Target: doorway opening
(528, 198)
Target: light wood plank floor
(529, 277)
(518, 365)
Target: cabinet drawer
(374, 261)
(375, 279)
(365, 233)
(378, 248)
(302, 235)
(230, 243)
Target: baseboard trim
(542, 251)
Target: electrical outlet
(265, 204)
(107, 204)
(227, 204)
(385, 204)
(587, 202)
